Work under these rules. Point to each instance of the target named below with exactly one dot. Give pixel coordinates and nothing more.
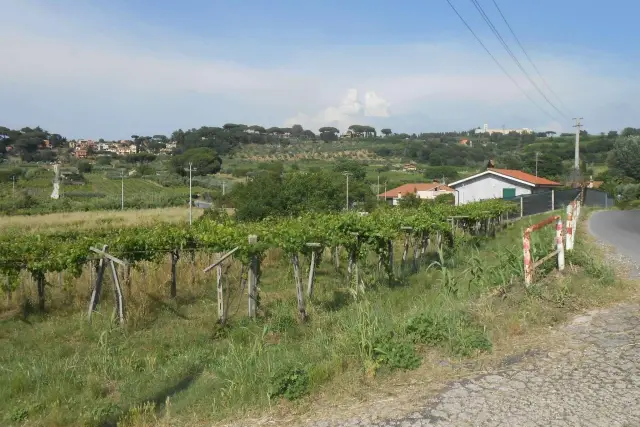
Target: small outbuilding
(499, 183)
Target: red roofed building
(499, 183)
(421, 190)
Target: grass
(174, 365)
(88, 220)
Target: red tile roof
(413, 188)
(523, 176)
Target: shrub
(397, 354)
(290, 382)
(456, 331)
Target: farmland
(174, 363)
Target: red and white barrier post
(526, 251)
(559, 245)
(529, 266)
(569, 238)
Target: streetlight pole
(347, 175)
(13, 178)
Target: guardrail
(563, 238)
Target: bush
(290, 383)
(455, 331)
(84, 167)
(397, 354)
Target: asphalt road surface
(620, 229)
(593, 381)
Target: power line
(512, 55)
(498, 63)
(527, 55)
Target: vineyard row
(358, 234)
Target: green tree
(84, 166)
(205, 161)
(625, 157)
(357, 170)
(386, 131)
(328, 133)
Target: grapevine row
(40, 253)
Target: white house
(499, 183)
(421, 190)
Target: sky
(98, 69)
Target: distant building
(409, 167)
(80, 153)
(421, 190)
(485, 129)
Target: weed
(290, 382)
(397, 353)
(427, 329)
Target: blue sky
(111, 69)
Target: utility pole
(347, 175)
(190, 198)
(13, 178)
(223, 182)
(122, 190)
(576, 163)
(537, 163)
(378, 196)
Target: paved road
(620, 229)
(594, 381)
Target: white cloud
(350, 111)
(86, 77)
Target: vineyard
(359, 235)
(221, 319)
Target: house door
(508, 193)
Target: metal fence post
(559, 244)
(569, 238)
(521, 207)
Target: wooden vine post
(407, 237)
(175, 256)
(222, 309)
(105, 258)
(302, 309)
(253, 278)
(312, 267)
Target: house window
(508, 193)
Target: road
(594, 380)
(620, 229)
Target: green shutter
(508, 193)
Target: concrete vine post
(253, 278)
(312, 267)
(119, 297)
(97, 288)
(222, 314)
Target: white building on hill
(504, 131)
